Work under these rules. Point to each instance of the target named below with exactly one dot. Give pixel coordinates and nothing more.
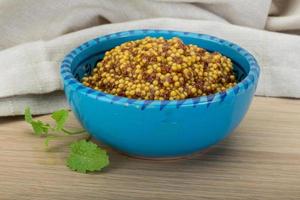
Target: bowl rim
(72, 83)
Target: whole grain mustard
(160, 69)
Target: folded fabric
(34, 43)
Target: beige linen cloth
(35, 36)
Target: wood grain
(260, 160)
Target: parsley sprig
(85, 156)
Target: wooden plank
(260, 160)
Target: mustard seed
(160, 69)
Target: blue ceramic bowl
(153, 128)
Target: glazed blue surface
(158, 128)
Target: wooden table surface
(260, 160)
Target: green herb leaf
(60, 118)
(38, 126)
(27, 115)
(86, 156)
